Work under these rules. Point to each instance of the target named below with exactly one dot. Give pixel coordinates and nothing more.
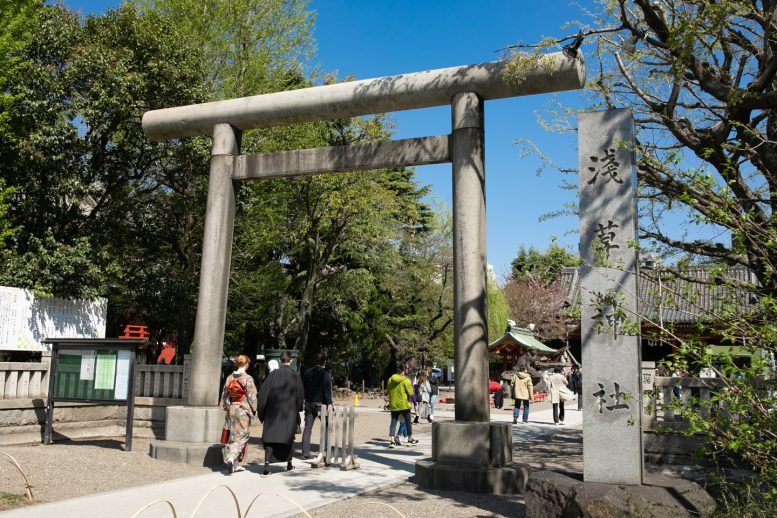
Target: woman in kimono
(239, 400)
(280, 401)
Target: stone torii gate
(470, 453)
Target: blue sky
(380, 38)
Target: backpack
(435, 387)
(499, 398)
(236, 390)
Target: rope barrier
(27, 485)
(172, 508)
(251, 504)
(276, 494)
(234, 497)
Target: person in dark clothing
(434, 381)
(576, 385)
(318, 391)
(280, 401)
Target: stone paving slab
(308, 487)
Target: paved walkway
(281, 493)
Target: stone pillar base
(474, 457)
(552, 494)
(494, 480)
(192, 436)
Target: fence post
(187, 375)
(45, 359)
(321, 459)
(336, 444)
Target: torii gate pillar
(470, 453)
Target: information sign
(25, 320)
(92, 370)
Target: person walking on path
(434, 382)
(280, 400)
(424, 390)
(238, 399)
(400, 390)
(318, 392)
(559, 392)
(401, 433)
(523, 392)
(576, 385)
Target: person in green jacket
(400, 390)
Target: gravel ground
(80, 467)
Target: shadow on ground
(408, 497)
(561, 451)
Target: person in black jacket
(280, 401)
(318, 391)
(576, 385)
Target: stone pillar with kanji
(612, 394)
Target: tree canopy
(544, 266)
(356, 264)
(699, 77)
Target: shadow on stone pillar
(192, 432)
(470, 454)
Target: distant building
(677, 300)
(518, 344)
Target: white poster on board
(87, 365)
(122, 375)
(25, 319)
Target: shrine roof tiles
(681, 296)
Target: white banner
(25, 319)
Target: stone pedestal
(553, 494)
(192, 436)
(474, 457)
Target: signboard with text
(25, 320)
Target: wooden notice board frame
(82, 388)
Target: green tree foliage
(498, 311)
(413, 306)
(87, 187)
(304, 235)
(17, 18)
(6, 229)
(544, 266)
(249, 47)
(349, 263)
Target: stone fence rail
(24, 380)
(30, 380)
(661, 400)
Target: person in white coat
(559, 392)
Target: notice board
(92, 375)
(93, 371)
(25, 320)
